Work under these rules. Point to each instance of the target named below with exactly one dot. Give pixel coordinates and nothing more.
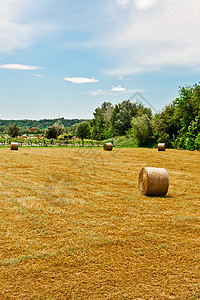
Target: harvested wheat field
(74, 226)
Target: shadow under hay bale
(161, 147)
(108, 146)
(153, 181)
(13, 146)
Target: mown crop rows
(73, 225)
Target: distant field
(73, 225)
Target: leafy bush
(51, 132)
(197, 142)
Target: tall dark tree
(2, 129)
(51, 132)
(13, 130)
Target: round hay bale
(161, 147)
(108, 146)
(13, 146)
(153, 181)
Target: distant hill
(41, 124)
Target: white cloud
(80, 80)
(19, 67)
(140, 4)
(13, 34)
(118, 89)
(144, 36)
(145, 4)
(153, 34)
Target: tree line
(39, 124)
(177, 125)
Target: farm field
(74, 226)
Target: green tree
(178, 125)
(2, 129)
(187, 105)
(13, 130)
(97, 128)
(192, 134)
(100, 125)
(104, 111)
(54, 131)
(122, 115)
(83, 130)
(197, 142)
(59, 127)
(166, 125)
(142, 130)
(51, 132)
(73, 129)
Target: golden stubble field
(74, 226)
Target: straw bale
(108, 146)
(153, 181)
(13, 146)
(161, 147)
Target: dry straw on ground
(73, 225)
(108, 146)
(161, 147)
(153, 181)
(13, 146)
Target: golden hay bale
(13, 146)
(161, 147)
(108, 146)
(153, 181)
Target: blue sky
(64, 58)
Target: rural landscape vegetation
(126, 124)
(73, 223)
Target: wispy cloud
(38, 75)
(123, 3)
(97, 93)
(80, 80)
(19, 28)
(144, 36)
(154, 34)
(116, 90)
(19, 67)
(123, 78)
(140, 4)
